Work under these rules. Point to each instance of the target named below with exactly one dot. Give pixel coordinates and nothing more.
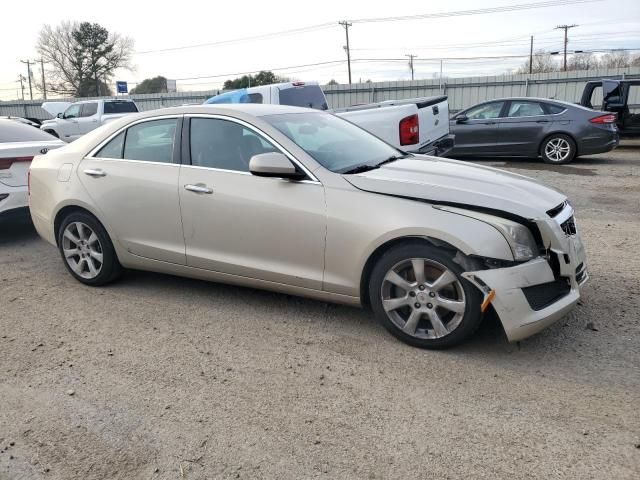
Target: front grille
(569, 226)
(541, 296)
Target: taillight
(603, 119)
(409, 130)
(5, 163)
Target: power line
(242, 39)
(476, 11)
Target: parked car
(26, 121)
(532, 127)
(417, 125)
(81, 117)
(19, 142)
(303, 202)
(619, 96)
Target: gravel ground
(163, 377)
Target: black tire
(110, 269)
(471, 318)
(565, 140)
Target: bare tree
(542, 63)
(82, 57)
(583, 61)
(616, 59)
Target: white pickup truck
(81, 117)
(418, 125)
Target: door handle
(542, 121)
(95, 173)
(198, 188)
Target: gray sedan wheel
(558, 149)
(87, 250)
(419, 295)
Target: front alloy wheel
(419, 295)
(423, 298)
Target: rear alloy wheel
(87, 250)
(420, 297)
(558, 149)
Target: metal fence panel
(462, 92)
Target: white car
(19, 143)
(81, 117)
(303, 202)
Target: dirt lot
(162, 377)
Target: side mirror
(59, 115)
(274, 165)
(461, 119)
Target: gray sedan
(532, 127)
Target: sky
(378, 48)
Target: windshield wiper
(392, 158)
(361, 168)
(366, 166)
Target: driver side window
(225, 145)
(487, 110)
(72, 112)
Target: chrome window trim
(260, 133)
(92, 152)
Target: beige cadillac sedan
(302, 202)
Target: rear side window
(89, 109)
(525, 109)
(553, 109)
(255, 98)
(14, 131)
(113, 149)
(309, 96)
(119, 106)
(151, 141)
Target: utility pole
(411, 57)
(28, 62)
(531, 57)
(44, 85)
(440, 82)
(566, 41)
(346, 26)
(20, 77)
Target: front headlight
(520, 239)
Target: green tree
(151, 85)
(264, 77)
(82, 57)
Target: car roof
(255, 109)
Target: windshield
(309, 96)
(334, 143)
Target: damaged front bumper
(530, 296)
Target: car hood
(447, 181)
